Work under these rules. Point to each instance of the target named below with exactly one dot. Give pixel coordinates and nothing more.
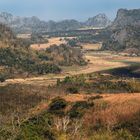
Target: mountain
(23, 24)
(6, 17)
(125, 32)
(34, 24)
(101, 20)
(64, 25)
(127, 18)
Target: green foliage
(75, 80)
(81, 105)
(72, 42)
(27, 60)
(131, 124)
(65, 55)
(120, 135)
(44, 68)
(58, 82)
(125, 135)
(73, 90)
(57, 106)
(99, 84)
(67, 79)
(5, 134)
(95, 97)
(37, 128)
(2, 77)
(78, 109)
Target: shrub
(4, 75)
(95, 97)
(26, 60)
(67, 79)
(78, 109)
(72, 90)
(132, 124)
(37, 128)
(124, 135)
(81, 105)
(75, 113)
(107, 135)
(57, 106)
(2, 79)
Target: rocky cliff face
(100, 20)
(127, 18)
(125, 32)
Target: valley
(98, 61)
(70, 80)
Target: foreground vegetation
(36, 112)
(81, 107)
(92, 118)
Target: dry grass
(98, 61)
(110, 98)
(121, 107)
(90, 47)
(52, 41)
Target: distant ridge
(101, 20)
(34, 24)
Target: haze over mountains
(125, 28)
(34, 24)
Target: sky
(66, 9)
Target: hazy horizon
(66, 9)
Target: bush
(78, 109)
(4, 75)
(2, 79)
(95, 97)
(132, 124)
(67, 80)
(107, 135)
(124, 135)
(27, 61)
(81, 105)
(73, 90)
(37, 128)
(57, 104)
(75, 114)
(44, 68)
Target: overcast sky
(66, 9)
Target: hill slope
(125, 32)
(101, 20)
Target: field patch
(92, 47)
(51, 41)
